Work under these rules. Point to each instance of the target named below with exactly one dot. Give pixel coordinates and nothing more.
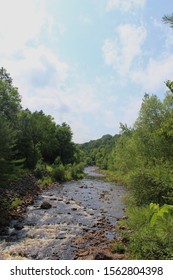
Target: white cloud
(20, 22)
(22, 52)
(129, 112)
(74, 105)
(156, 73)
(125, 5)
(121, 52)
(37, 68)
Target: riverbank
(16, 196)
(79, 223)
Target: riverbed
(79, 222)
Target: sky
(87, 62)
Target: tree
(10, 100)
(66, 148)
(4, 76)
(168, 19)
(7, 144)
(27, 149)
(9, 109)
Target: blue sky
(87, 62)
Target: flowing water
(76, 208)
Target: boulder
(45, 205)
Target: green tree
(4, 76)
(27, 149)
(10, 101)
(66, 148)
(7, 151)
(9, 109)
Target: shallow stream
(77, 208)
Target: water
(82, 212)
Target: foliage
(58, 173)
(151, 232)
(45, 181)
(9, 108)
(143, 154)
(16, 202)
(27, 139)
(68, 172)
(97, 152)
(168, 19)
(118, 248)
(10, 101)
(41, 170)
(77, 171)
(151, 185)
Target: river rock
(45, 205)
(67, 202)
(18, 227)
(53, 198)
(102, 256)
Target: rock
(83, 253)
(67, 202)
(61, 236)
(45, 205)
(18, 227)
(91, 214)
(102, 256)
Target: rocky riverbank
(16, 196)
(75, 220)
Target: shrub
(16, 202)
(151, 235)
(58, 173)
(45, 181)
(151, 185)
(77, 171)
(118, 248)
(41, 170)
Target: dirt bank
(16, 196)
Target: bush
(151, 232)
(16, 202)
(118, 248)
(45, 181)
(41, 170)
(58, 173)
(151, 185)
(77, 171)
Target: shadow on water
(75, 208)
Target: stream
(79, 222)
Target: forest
(139, 157)
(32, 141)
